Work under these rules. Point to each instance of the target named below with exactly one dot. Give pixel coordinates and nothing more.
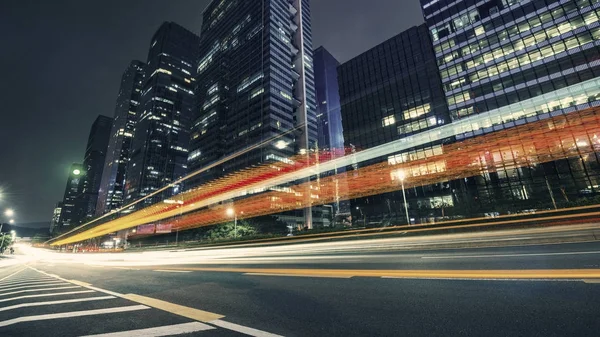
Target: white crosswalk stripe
(25, 283)
(55, 283)
(76, 300)
(47, 279)
(168, 330)
(72, 314)
(46, 295)
(32, 290)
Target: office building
(329, 117)
(388, 93)
(255, 87)
(73, 205)
(159, 149)
(508, 62)
(329, 120)
(93, 162)
(112, 187)
(55, 222)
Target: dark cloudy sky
(62, 61)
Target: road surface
(534, 290)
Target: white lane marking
(74, 300)
(15, 273)
(32, 290)
(24, 282)
(79, 283)
(49, 284)
(242, 329)
(592, 281)
(72, 314)
(295, 275)
(506, 255)
(45, 295)
(173, 271)
(28, 279)
(168, 330)
(12, 284)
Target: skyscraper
(495, 53)
(391, 92)
(73, 205)
(329, 117)
(55, 222)
(160, 144)
(255, 85)
(505, 63)
(112, 187)
(93, 162)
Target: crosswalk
(33, 303)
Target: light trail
(521, 146)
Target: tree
(228, 231)
(7, 241)
(268, 224)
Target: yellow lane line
(297, 275)
(195, 314)
(474, 274)
(80, 283)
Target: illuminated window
(418, 111)
(286, 95)
(257, 92)
(389, 120)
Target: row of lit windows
(419, 154)
(525, 59)
(408, 114)
(511, 29)
(418, 125)
(583, 93)
(518, 45)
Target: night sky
(62, 62)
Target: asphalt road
(326, 297)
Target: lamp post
(231, 212)
(401, 176)
(9, 213)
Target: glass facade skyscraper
(160, 144)
(505, 63)
(389, 93)
(499, 52)
(93, 162)
(112, 187)
(255, 84)
(329, 117)
(73, 205)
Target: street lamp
(230, 213)
(9, 212)
(402, 176)
(11, 221)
